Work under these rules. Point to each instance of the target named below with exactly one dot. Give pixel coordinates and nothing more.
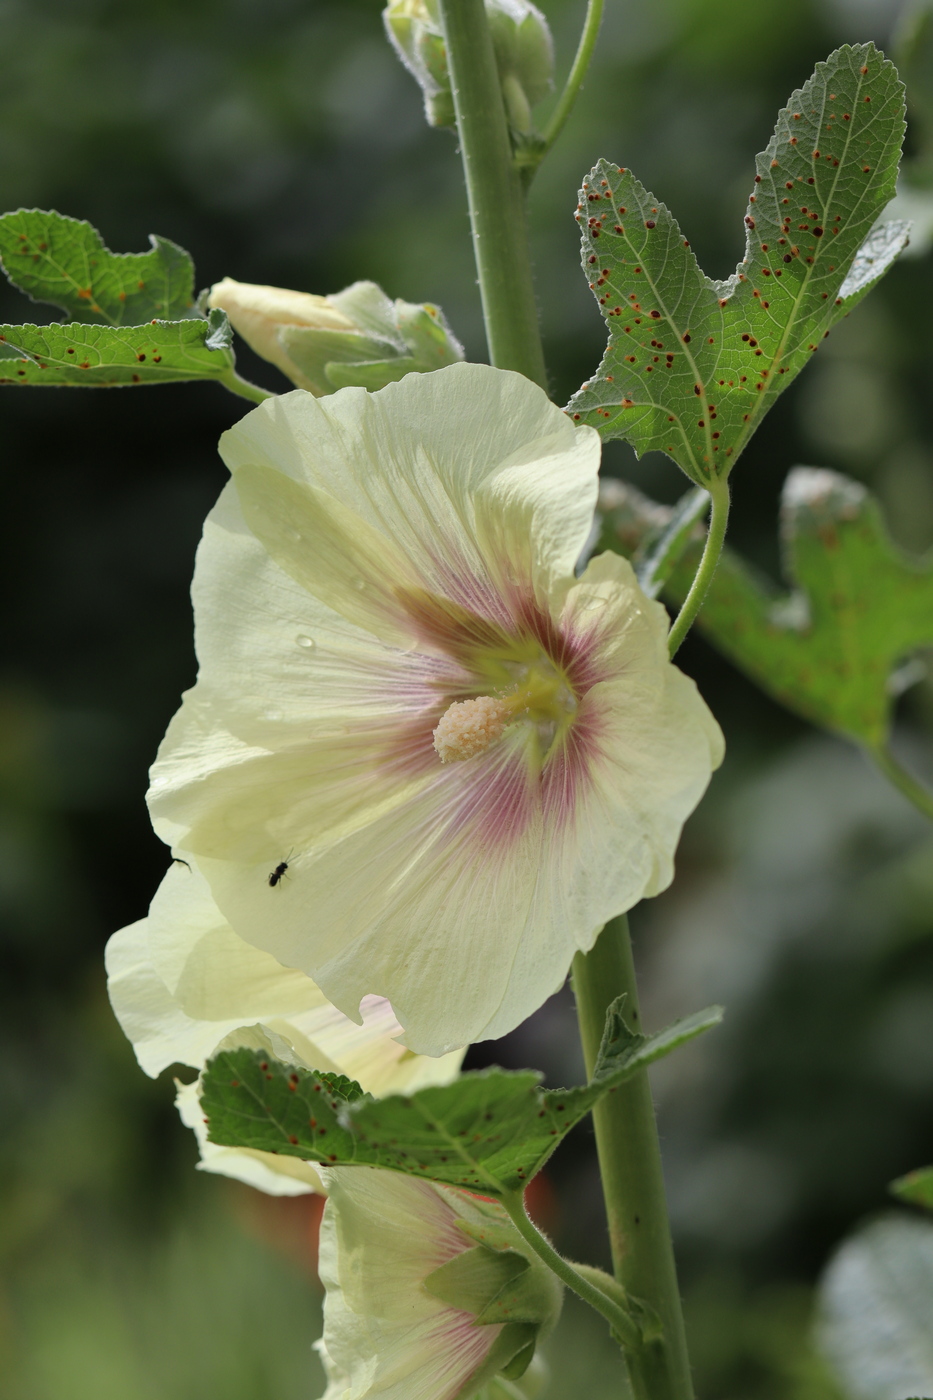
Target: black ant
(278, 872)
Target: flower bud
(322, 343)
(521, 40)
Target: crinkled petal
(181, 981)
(395, 538)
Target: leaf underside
(858, 606)
(87, 356)
(489, 1131)
(63, 261)
(692, 364)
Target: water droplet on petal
(273, 715)
(304, 641)
(359, 584)
(294, 535)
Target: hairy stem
(630, 1166)
(619, 1320)
(905, 782)
(718, 521)
(494, 191)
(243, 388)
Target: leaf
(622, 1051)
(86, 356)
(876, 1311)
(692, 365)
(64, 261)
(916, 1187)
(858, 606)
(489, 1131)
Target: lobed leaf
(692, 365)
(858, 606)
(87, 356)
(489, 1131)
(64, 261)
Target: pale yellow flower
(412, 1292)
(183, 985)
(377, 561)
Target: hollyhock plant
(423, 759)
(183, 986)
(431, 1292)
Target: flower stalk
(494, 190)
(630, 1167)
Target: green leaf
(916, 1187)
(64, 261)
(829, 648)
(86, 356)
(489, 1131)
(876, 1311)
(692, 365)
(622, 1051)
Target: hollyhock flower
(431, 1292)
(183, 985)
(463, 758)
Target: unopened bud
(322, 343)
(521, 40)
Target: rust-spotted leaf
(692, 364)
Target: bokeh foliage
(803, 898)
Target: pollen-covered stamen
(468, 727)
(542, 698)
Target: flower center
(542, 698)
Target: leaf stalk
(625, 1328)
(575, 79)
(243, 388)
(715, 538)
(905, 782)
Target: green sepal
(916, 1188)
(830, 648)
(392, 339)
(472, 1279)
(79, 355)
(64, 261)
(490, 1131)
(692, 365)
(497, 1286)
(510, 1355)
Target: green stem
(574, 83)
(905, 782)
(630, 1167)
(494, 191)
(718, 521)
(243, 388)
(618, 1319)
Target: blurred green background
(280, 141)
